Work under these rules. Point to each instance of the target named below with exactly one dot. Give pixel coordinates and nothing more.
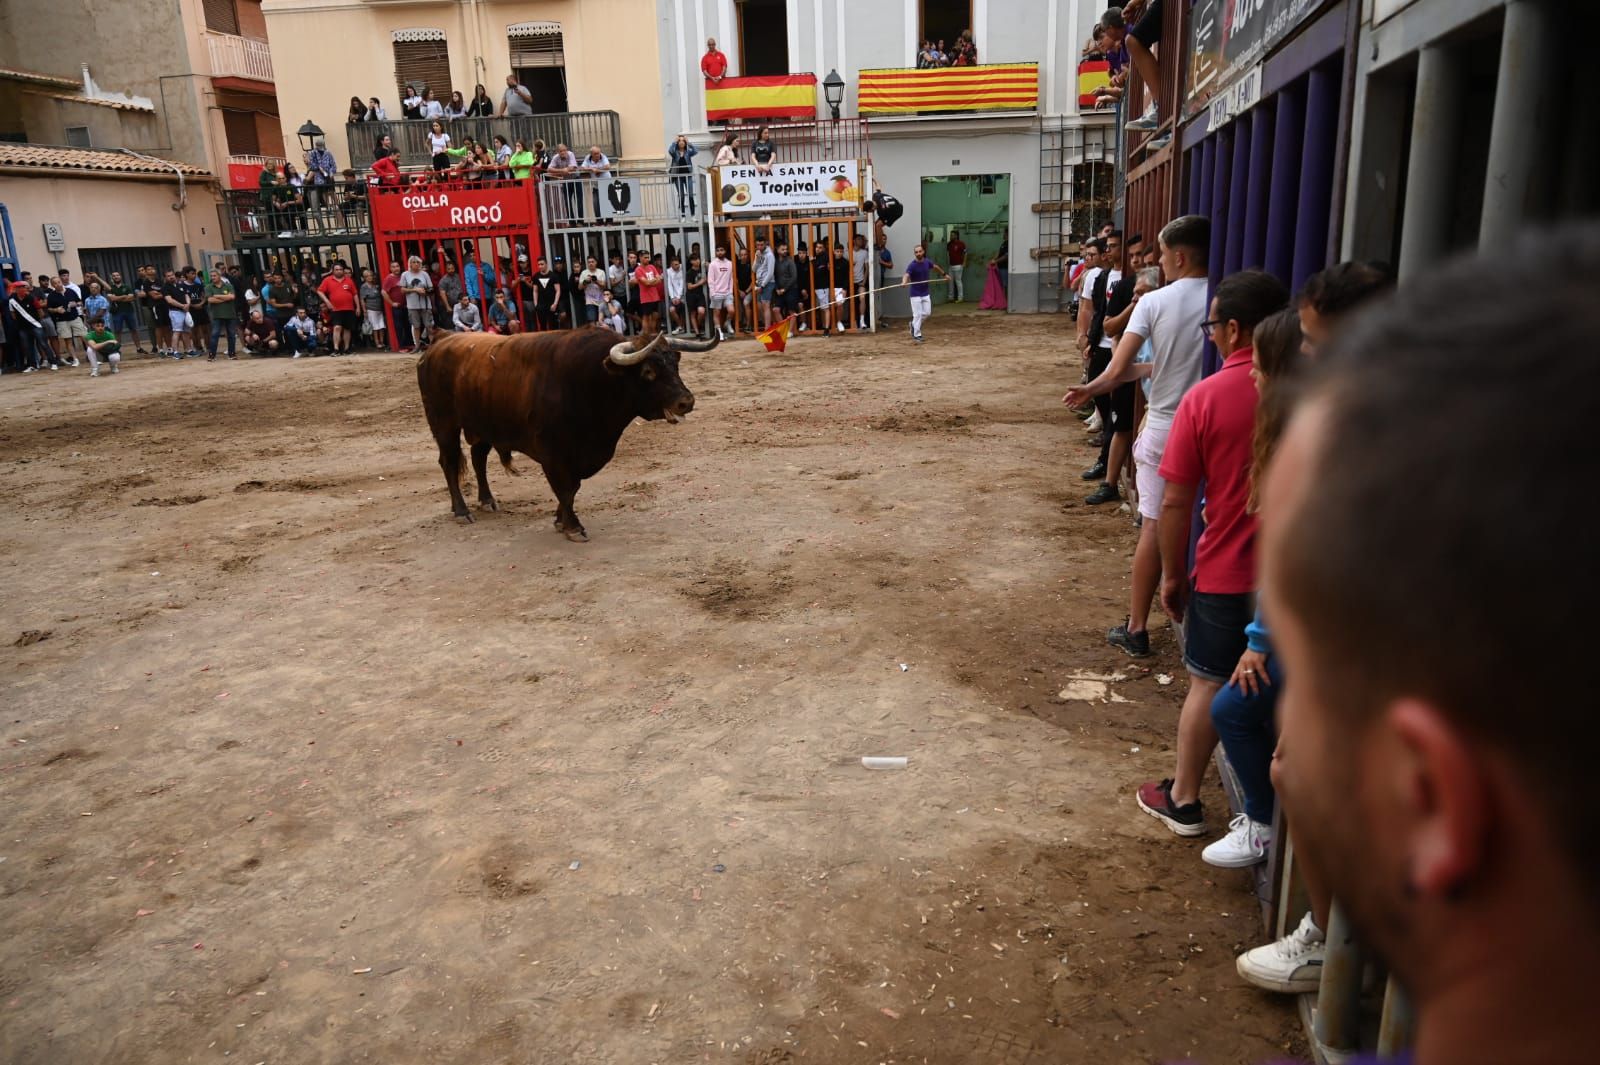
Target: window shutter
(536, 44)
(222, 16)
(424, 61)
(240, 127)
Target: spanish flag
(1093, 74)
(776, 338)
(999, 87)
(776, 96)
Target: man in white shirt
(1171, 318)
(418, 287)
(677, 315)
(466, 315)
(597, 168)
(564, 167)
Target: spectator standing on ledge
(956, 251)
(680, 164)
(516, 101)
(714, 65)
(482, 106)
(411, 103)
(1170, 318)
(762, 150)
(320, 171)
(1436, 812)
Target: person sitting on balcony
(481, 106)
(411, 103)
(431, 108)
(375, 111)
(358, 110)
(457, 107)
(516, 101)
(762, 150)
(714, 65)
(1139, 40)
(728, 151)
(439, 144)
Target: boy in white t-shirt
(1170, 318)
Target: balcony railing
(239, 57)
(333, 213)
(950, 90)
(577, 129)
(799, 142)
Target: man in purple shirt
(918, 270)
(1433, 754)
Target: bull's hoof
(488, 504)
(464, 514)
(577, 536)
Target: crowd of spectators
(1181, 443)
(962, 53)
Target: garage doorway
(974, 208)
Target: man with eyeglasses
(1170, 317)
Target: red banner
(480, 207)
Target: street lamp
(833, 92)
(308, 135)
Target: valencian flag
(1093, 74)
(777, 96)
(776, 338)
(998, 87)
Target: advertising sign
(492, 207)
(829, 185)
(1229, 37)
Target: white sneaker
(95, 372)
(1094, 423)
(29, 369)
(1145, 121)
(1292, 965)
(1246, 844)
(72, 361)
(296, 355)
(116, 369)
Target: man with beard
(546, 294)
(1428, 741)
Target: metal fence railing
(578, 129)
(254, 215)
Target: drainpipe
(183, 196)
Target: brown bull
(562, 398)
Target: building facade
(592, 57)
(1002, 155)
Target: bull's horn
(624, 354)
(693, 345)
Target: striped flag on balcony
(776, 96)
(999, 87)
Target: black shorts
(1122, 407)
(343, 319)
(1148, 31)
(1213, 633)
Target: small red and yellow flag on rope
(776, 338)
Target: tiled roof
(8, 74)
(120, 105)
(92, 159)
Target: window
(422, 57)
(240, 127)
(78, 137)
(539, 60)
(763, 37)
(222, 16)
(943, 20)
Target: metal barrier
(578, 129)
(286, 212)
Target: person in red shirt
(647, 278)
(387, 168)
(338, 292)
(1211, 442)
(956, 250)
(714, 65)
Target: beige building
(594, 55)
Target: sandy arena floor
(305, 771)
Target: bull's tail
(505, 460)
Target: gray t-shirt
(417, 301)
(514, 101)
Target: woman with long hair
(728, 151)
(457, 107)
(481, 106)
(411, 103)
(431, 108)
(439, 146)
(295, 198)
(358, 110)
(680, 164)
(383, 147)
(502, 154)
(522, 161)
(375, 111)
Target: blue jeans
(1249, 736)
(225, 325)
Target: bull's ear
(613, 369)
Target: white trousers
(921, 311)
(959, 293)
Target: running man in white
(918, 270)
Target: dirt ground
(305, 771)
